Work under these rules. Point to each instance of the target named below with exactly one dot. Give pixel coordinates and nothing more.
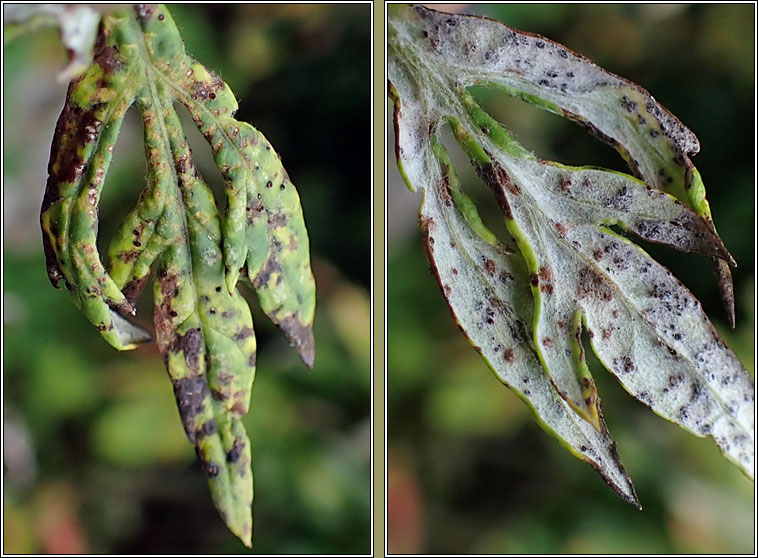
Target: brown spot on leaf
(444, 187)
(128, 256)
(592, 284)
(498, 179)
(207, 90)
(243, 333)
(238, 408)
(75, 129)
(277, 220)
(134, 287)
(105, 56)
(270, 267)
(190, 345)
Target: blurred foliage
(80, 473)
(469, 469)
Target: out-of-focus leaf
(138, 405)
(77, 26)
(644, 325)
(350, 310)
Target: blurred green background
(95, 457)
(469, 470)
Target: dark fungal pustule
(623, 364)
(210, 468)
(628, 105)
(233, 455)
(505, 277)
(207, 429)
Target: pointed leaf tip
(301, 338)
(726, 288)
(232, 275)
(130, 335)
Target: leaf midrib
(157, 102)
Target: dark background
(469, 469)
(95, 456)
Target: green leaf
(525, 306)
(203, 326)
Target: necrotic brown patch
(191, 345)
(190, 393)
(233, 455)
